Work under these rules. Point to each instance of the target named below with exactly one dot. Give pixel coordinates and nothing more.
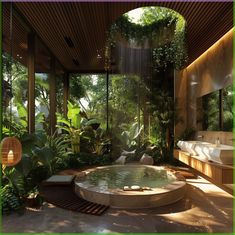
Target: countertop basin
(222, 154)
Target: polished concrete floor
(204, 209)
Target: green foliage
(15, 93)
(163, 28)
(12, 127)
(72, 161)
(51, 155)
(10, 201)
(12, 177)
(94, 159)
(152, 140)
(129, 137)
(96, 141)
(29, 141)
(164, 111)
(59, 144)
(74, 115)
(71, 124)
(46, 155)
(77, 87)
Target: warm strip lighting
(212, 47)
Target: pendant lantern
(11, 151)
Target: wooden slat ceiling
(86, 24)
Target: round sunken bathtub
(105, 185)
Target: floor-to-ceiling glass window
(15, 80)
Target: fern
(10, 200)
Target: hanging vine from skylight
(162, 29)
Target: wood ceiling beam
(31, 82)
(52, 97)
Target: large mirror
(215, 110)
(228, 114)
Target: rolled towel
(135, 187)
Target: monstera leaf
(25, 165)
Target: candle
(10, 157)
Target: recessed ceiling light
(76, 62)
(99, 54)
(69, 41)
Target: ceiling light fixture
(76, 62)
(69, 41)
(99, 55)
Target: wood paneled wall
(212, 71)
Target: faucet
(217, 142)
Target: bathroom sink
(222, 154)
(190, 146)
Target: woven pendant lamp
(11, 149)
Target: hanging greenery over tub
(162, 29)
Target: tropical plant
(152, 140)
(97, 140)
(71, 124)
(163, 108)
(20, 182)
(10, 201)
(53, 153)
(129, 137)
(92, 159)
(45, 156)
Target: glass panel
(42, 69)
(89, 91)
(42, 102)
(14, 96)
(125, 112)
(15, 80)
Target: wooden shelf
(219, 173)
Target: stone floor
(204, 209)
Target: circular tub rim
(173, 191)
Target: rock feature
(146, 159)
(121, 160)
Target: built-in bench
(218, 173)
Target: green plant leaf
(25, 165)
